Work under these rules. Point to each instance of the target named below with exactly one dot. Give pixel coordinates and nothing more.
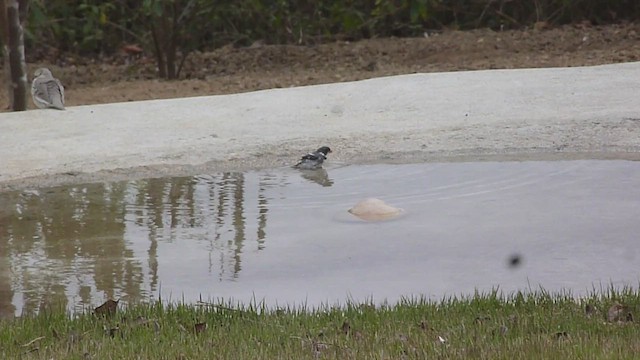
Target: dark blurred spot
(200, 327)
(346, 327)
(515, 260)
(562, 335)
(589, 309)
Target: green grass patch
(492, 326)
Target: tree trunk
(172, 43)
(159, 50)
(165, 34)
(4, 37)
(14, 51)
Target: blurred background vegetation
(170, 29)
(96, 26)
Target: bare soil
(261, 66)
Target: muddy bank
(155, 171)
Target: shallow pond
(285, 237)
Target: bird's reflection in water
(318, 176)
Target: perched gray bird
(47, 91)
(313, 160)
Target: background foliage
(95, 26)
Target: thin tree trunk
(172, 43)
(155, 34)
(23, 8)
(166, 34)
(4, 36)
(17, 63)
(166, 38)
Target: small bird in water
(47, 91)
(313, 160)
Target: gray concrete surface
(584, 112)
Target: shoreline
(496, 115)
(159, 171)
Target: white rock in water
(373, 209)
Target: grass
(490, 326)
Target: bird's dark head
(325, 150)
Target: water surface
(285, 236)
